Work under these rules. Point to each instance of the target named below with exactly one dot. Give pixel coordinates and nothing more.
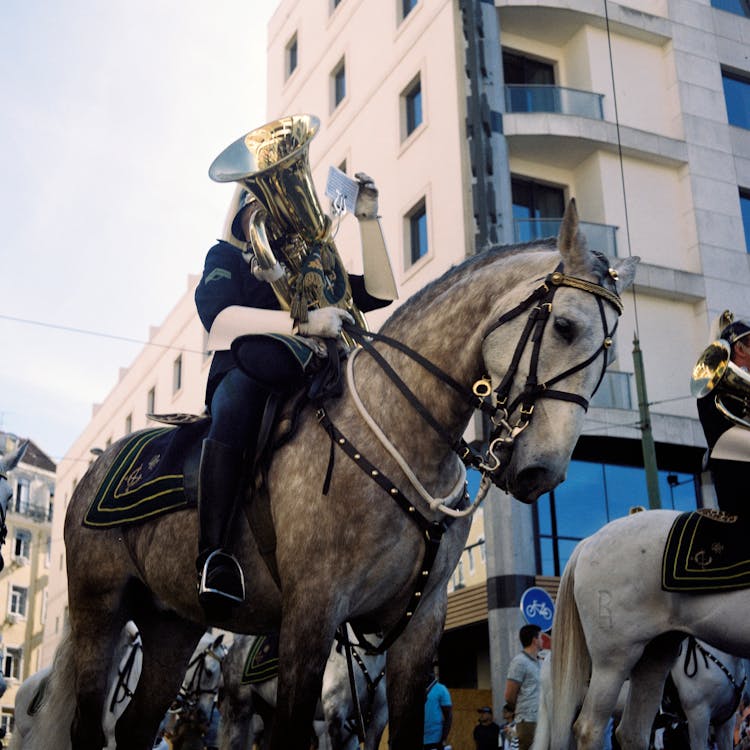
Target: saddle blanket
(146, 478)
(706, 552)
(262, 663)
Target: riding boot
(222, 584)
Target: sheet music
(342, 190)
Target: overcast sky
(112, 111)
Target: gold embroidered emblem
(702, 559)
(134, 477)
(153, 462)
(717, 515)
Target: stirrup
(218, 558)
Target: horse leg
(646, 688)
(408, 662)
(601, 698)
(304, 646)
(724, 735)
(168, 642)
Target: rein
(191, 693)
(122, 691)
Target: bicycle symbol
(538, 608)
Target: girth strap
(431, 531)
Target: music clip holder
(342, 190)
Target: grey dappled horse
(356, 554)
(337, 713)
(613, 621)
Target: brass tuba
(714, 372)
(272, 163)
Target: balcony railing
(530, 98)
(602, 237)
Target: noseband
(191, 693)
(539, 304)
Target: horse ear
(219, 639)
(572, 244)
(625, 271)
(10, 460)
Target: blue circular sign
(537, 607)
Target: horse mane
(466, 268)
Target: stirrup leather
(221, 557)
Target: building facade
(478, 122)
(25, 576)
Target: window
(745, 209)
(18, 600)
(737, 97)
(335, 4)
(151, 401)
(128, 424)
(412, 107)
(7, 721)
(740, 7)
(470, 555)
(533, 202)
(519, 69)
(12, 662)
(417, 233)
(22, 496)
(22, 544)
(177, 374)
(594, 494)
(291, 56)
(48, 549)
(406, 7)
(338, 84)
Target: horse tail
(571, 661)
(54, 718)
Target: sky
(111, 113)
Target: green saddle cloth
(262, 663)
(706, 552)
(146, 478)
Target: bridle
(538, 306)
(195, 688)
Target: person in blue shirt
(234, 299)
(438, 714)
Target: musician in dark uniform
(730, 475)
(234, 298)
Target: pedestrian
(438, 714)
(487, 731)
(522, 684)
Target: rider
(233, 300)
(729, 475)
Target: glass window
(291, 56)
(417, 235)
(737, 97)
(12, 663)
(519, 69)
(745, 209)
(151, 401)
(128, 424)
(7, 720)
(18, 597)
(534, 203)
(740, 7)
(338, 80)
(177, 374)
(595, 494)
(22, 544)
(407, 6)
(22, 496)
(412, 105)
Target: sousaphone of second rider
(275, 286)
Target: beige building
(24, 590)
(478, 122)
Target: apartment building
(478, 122)
(25, 576)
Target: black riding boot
(222, 584)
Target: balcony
(531, 98)
(602, 237)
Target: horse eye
(565, 328)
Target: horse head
(202, 680)
(8, 462)
(564, 325)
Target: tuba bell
(272, 162)
(714, 372)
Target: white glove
(367, 198)
(325, 322)
(264, 274)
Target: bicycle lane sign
(537, 607)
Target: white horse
(613, 621)
(32, 696)
(337, 714)
(709, 684)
